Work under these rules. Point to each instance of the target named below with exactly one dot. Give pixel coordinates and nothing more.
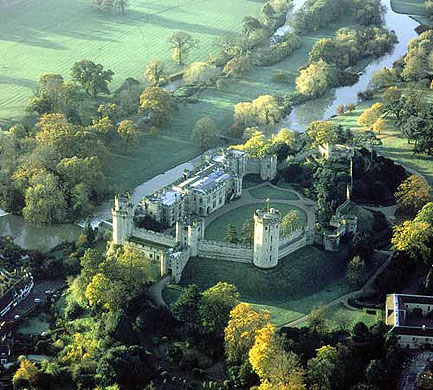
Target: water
(46, 237)
(325, 106)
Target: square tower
(266, 238)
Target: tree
(200, 73)
(215, 307)
(370, 115)
(112, 111)
(44, 200)
(383, 78)
(250, 25)
(103, 293)
(205, 133)
(231, 235)
(186, 308)
(341, 109)
(276, 368)
(92, 77)
(392, 100)
(256, 146)
(181, 43)
(321, 369)
(350, 107)
(322, 133)
(26, 375)
(246, 236)
(155, 73)
(236, 66)
(412, 237)
(379, 125)
(241, 330)
(121, 5)
(290, 222)
(413, 193)
(354, 271)
(158, 103)
(315, 79)
(128, 131)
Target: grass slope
(409, 7)
(272, 193)
(394, 145)
(300, 282)
(217, 229)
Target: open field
(300, 282)
(415, 8)
(49, 36)
(217, 229)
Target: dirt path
(155, 291)
(367, 287)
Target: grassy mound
(300, 274)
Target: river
(45, 237)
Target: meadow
(415, 8)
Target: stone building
(266, 238)
(410, 317)
(207, 188)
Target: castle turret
(266, 238)
(194, 235)
(123, 219)
(268, 167)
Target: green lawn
(394, 146)
(300, 282)
(217, 229)
(272, 193)
(409, 7)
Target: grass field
(394, 146)
(217, 229)
(415, 8)
(300, 282)
(272, 193)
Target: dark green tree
(92, 77)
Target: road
(410, 374)
(38, 291)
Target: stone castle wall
(158, 238)
(224, 251)
(287, 250)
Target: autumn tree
(26, 375)
(263, 110)
(155, 73)
(350, 107)
(205, 133)
(315, 79)
(158, 103)
(354, 271)
(392, 100)
(340, 109)
(128, 131)
(231, 234)
(370, 115)
(413, 237)
(276, 368)
(322, 369)
(200, 73)
(181, 43)
(413, 193)
(256, 146)
(236, 66)
(379, 125)
(216, 305)
(92, 77)
(290, 222)
(322, 133)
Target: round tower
(123, 219)
(266, 238)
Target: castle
(186, 203)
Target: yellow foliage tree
(255, 146)
(273, 364)
(370, 115)
(379, 125)
(413, 193)
(322, 133)
(412, 237)
(27, 373)
(241, 330)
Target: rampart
(158, 238)
(224, 251)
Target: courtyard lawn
(394, 146)
(301, 281)
(272, 193)
(217, 229)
